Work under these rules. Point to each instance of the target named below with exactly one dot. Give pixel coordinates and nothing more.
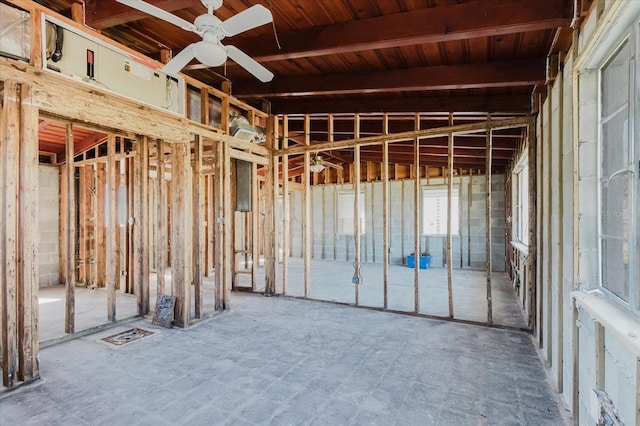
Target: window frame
(339, 218)
(632, 36)
(455, 193)
(520, 202)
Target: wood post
(416, 217)
(285, 205)
(306, 208)
(161, 220)
(255, 225)
(449, 223)
(560, 209)
(180, 232)
(385, 214)
(140, 227)
(19, 234)
(489, 260)
(469, 204)
(228, 213)
(111, 227)
(28, 346)
(271, 215)
(219, 227)
(357, 229)
(197, 224)
(548, 254)
(70, 238)
(531, 257)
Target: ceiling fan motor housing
(212, 4)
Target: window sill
(613, 318)
(524, 249)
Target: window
(520, 212)
(434, 210)
(619, 184)
(346, 213)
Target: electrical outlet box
(356, 280)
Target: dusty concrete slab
(291, 362)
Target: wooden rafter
(519, 72)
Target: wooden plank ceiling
(369, 56)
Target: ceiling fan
(317, 164)
(210, 51)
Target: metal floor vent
(127, 336)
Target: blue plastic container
(425, 262)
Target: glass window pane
(615, 81)
(615, 209)
(615, 267)
(615, 143)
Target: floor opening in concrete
(127, 336)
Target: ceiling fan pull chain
(275, 31)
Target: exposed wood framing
(197, 226)
(489, 260)
(416, 217)
(227, 230)
(548, 238)
(560, 235)
(161, 220)
(181, 253)
(357, 229)
(306, 221)
(140, 227)
(285, 206)
(271, 214)
(385, 214)
(255, 226)
(469, 204)
(532, 246)
(28, 313)
(70, 240)
(449, 222)
(111, 228)
(219, 226)
(434, 132)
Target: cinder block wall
(327, 243)
(48, 212)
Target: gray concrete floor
(330, 281)
(283, 361)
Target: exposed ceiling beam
(101, 14)
(522, 72)
(480, 18)
(517, 103)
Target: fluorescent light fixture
(316, 167)
(240, 128)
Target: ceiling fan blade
(247, 19)
(249, 64)
(329, 164)
(159, 13)
(180, 60)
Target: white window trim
(630, 33)
(520, 241)
(338, 217)
(427, 188)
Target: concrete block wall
(48, 229)
(567, 205)
(328, 244)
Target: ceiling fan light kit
(210, 51)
